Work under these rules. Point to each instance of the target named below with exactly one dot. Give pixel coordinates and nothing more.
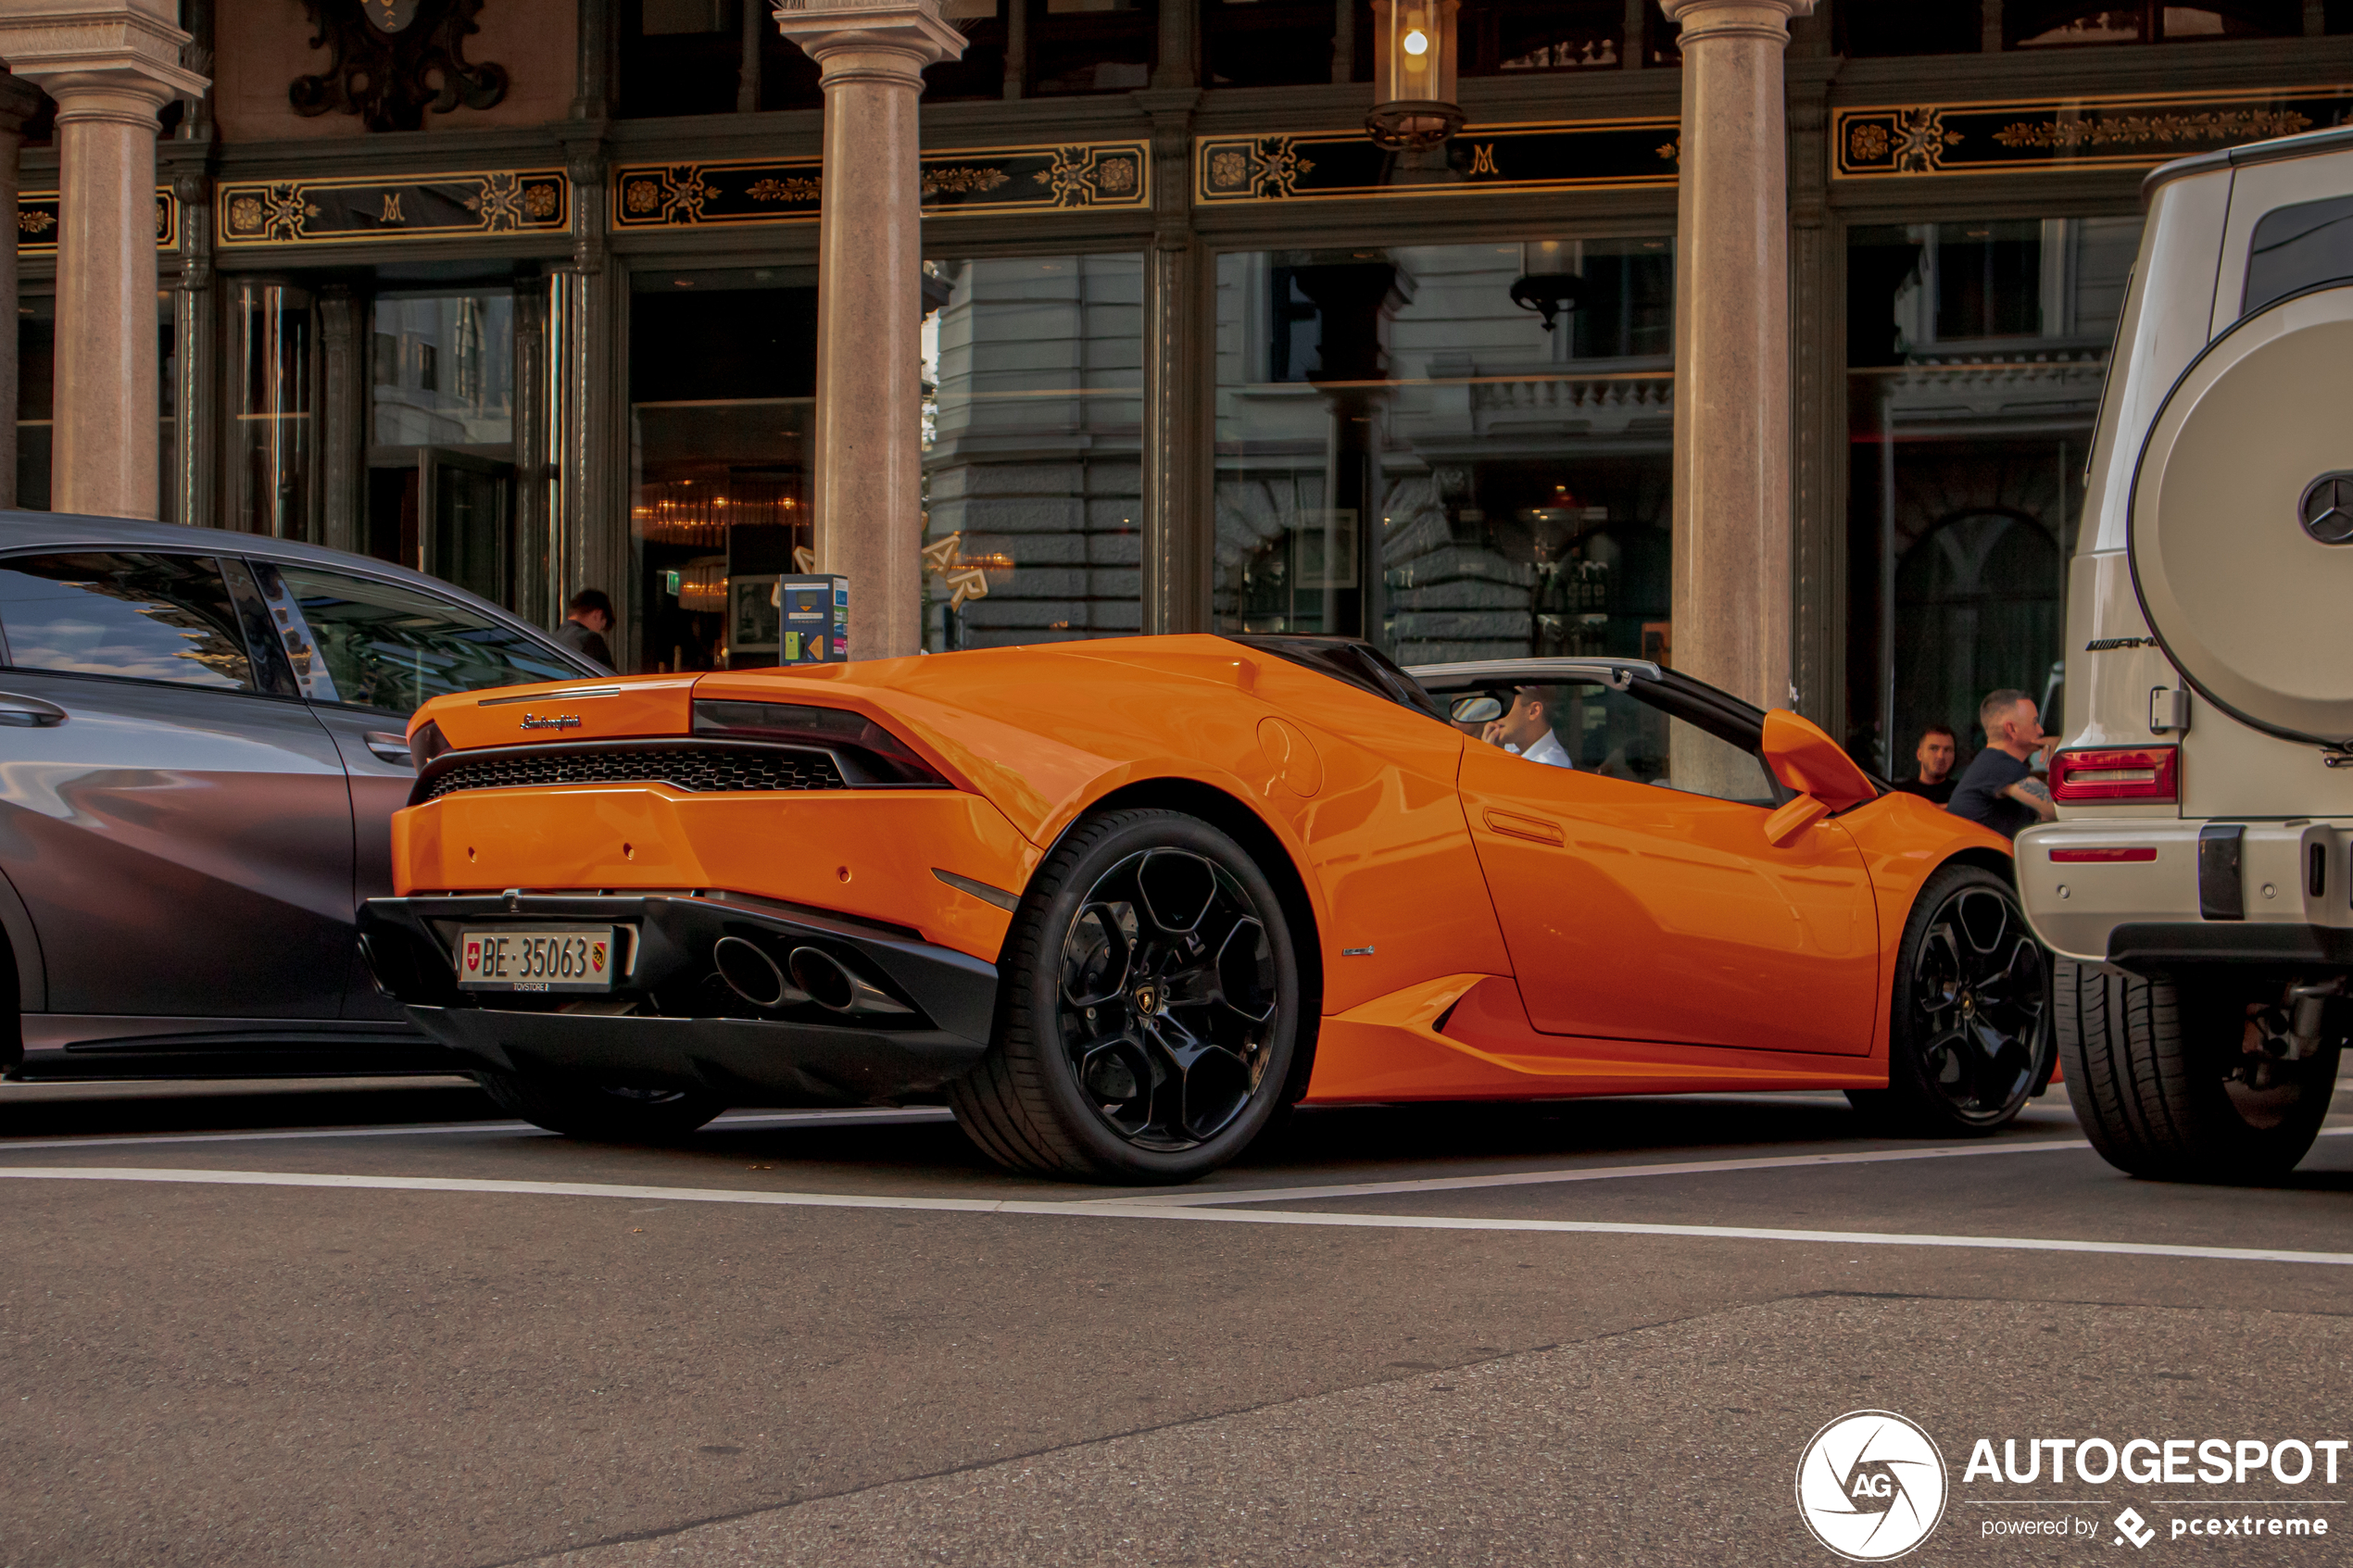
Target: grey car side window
(383, 646)
(133, 617)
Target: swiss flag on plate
(473, 955)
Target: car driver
(1526, 729)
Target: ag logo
(1870, 1486)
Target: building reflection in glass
(1407, 452)
(1976, 353)
(1033, 455)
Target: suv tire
(2148, 1066)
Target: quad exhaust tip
(832, 985)
(752, 975)
(808, 974)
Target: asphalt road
(371, 1323)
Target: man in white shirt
(1526, 729)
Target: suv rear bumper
(2194, 892)
(688, 1030)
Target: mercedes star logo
(2327, 509)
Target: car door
(1638, 895)
(366, 653)
(175, 819)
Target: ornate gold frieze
(959, 180)
(37, 222)
(367, 211)
(2030, 135)
(1327, 165)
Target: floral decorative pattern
(2024, 136)
(1921, 141)
(1228, 169)
(350, 211)
(786, 190)
(2168, 130)
(789, 190)
(36, 222)
(961, 181)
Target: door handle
(1532, 828)
(29, 712)
(390, 747)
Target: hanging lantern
(1412, 74)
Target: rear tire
(1149, 1011)
(580, 1107)
(1969, 1032)
(2162, 1077)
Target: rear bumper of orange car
(918, 1019)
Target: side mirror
(1476, 710)
(1805, 759)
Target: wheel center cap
(1147, 999)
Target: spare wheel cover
(2242, 559)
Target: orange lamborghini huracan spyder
(1121, 904)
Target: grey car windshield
(368, 644)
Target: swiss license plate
(546, 958)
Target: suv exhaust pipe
(834, 986)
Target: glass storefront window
(276, 445)
(1976, 352)
(1406, 451)
(441, 432)
(722, 417)
(1033, 469)
(444, 368)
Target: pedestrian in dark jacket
(583, 630)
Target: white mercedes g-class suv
(2198, 886)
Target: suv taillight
(2142, 774)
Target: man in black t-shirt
(1934, 755)
(1998, 788)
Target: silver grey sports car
(201, 748)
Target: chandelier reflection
(686, 511)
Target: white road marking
(731, 1120)
(1159, 1211)
(1196, 1197)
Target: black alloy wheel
(1970, 1035)
(1151, 1008)
(1168, 997)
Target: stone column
(1178, 474)
(1731, 565)
(110, 64)
(20, 101)
(869, 466)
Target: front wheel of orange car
(1149, 1009)
(1969, 1039)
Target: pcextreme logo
(1870, 1486)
